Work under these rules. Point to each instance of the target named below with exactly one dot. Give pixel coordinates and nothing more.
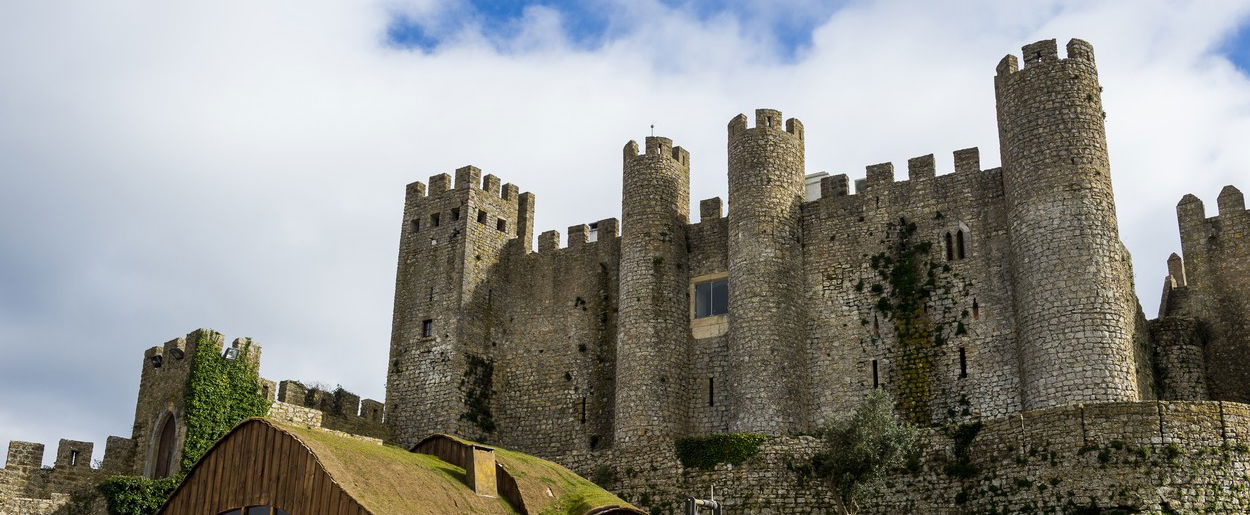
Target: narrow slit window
(959, 245)
(876, 379)
(481, 217)
(434, 219)
(711, 391)
(583, 409)
(963, 363)
(502, 225)
(73, 458)
(976, 310)
(711, 298)
(427, 328)
(950, 249)
(455, 213)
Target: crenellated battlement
(580, 235)
(1232, 216)
(73, 469)
(657, 146)
(880, 178)
(1046, 52)
(466, 178)
(339, 409)
(768, 120)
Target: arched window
(959, 244)
(950, 249)
(165, 450)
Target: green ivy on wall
(706, 451)
(221, 393)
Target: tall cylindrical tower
(653, 323)
(1073, 291)
(765, 279)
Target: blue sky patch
(1238, 48)
(588, 25)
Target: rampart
(1211, 286)
(26, 486)
(338, 410)
(1157, 457)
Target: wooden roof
(307, 471)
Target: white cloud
(241, 165)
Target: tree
(863, 448)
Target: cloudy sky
(241, 165)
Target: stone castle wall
(1211, 285)
(969, 303)
(554, 352)
(28, 487)
(1157, 457)
(918, 286)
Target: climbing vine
(221, 393)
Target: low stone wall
(1156, 457)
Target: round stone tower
(653, 322)
(765, 279)
(1073, 291)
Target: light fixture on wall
(231, 354)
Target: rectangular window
(416, 225)
(481, 217)
(711, 391)
(876, 380)
(455, 213)
(711, 298)
(963, 363)
(502, 225)
(73, 458)
(427, 328)
(434, 220)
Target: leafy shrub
(130, 495)
(864, 447)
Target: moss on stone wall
(477, 384)
(706, 451)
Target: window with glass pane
(711, 298)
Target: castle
(973, 294)
(995, 298)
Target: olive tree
(863, 448)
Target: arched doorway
(165, 450)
